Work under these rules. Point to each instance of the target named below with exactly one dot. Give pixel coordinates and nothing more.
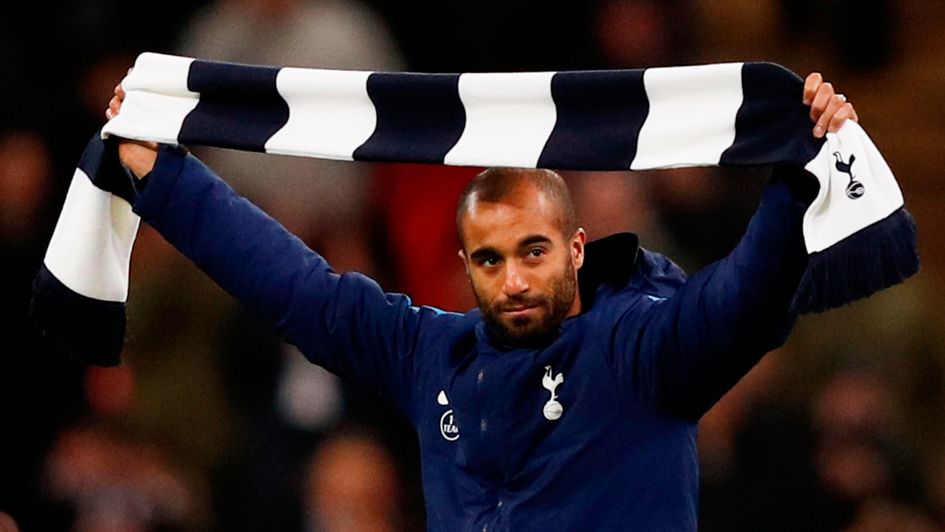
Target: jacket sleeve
(686, 351)
(344, 323)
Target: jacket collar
(608, 260)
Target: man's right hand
(137, 155)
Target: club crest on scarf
(855, 189)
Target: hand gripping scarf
(859, 236)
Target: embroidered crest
(855, 189)
(553, 408)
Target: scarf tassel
(878, 256)
(91, 330)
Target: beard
(537, 327)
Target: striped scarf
(859, 236)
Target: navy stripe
(768, 123)
(600, 114)
(91, 330)
(239, 106)
(419, 117)
(100, 162)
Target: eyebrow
(490, 251)
(533, 239)
(483, 253)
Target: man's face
(522, 269)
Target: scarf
(858, 235)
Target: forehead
(524, 213)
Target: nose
(515, 283)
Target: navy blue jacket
(594, 431)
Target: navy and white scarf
(859, 237)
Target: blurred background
(212, 423)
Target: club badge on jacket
(553, 408)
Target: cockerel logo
(855, 189)
(553, 408)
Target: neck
(576, 304)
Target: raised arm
(345, 323)
(688, 350)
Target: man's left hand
(828, 109)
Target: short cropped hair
(495, 185)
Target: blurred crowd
(212, 423)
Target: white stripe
(330, 113)
(91, 247)
(156, 99)
(691, 120)
(833, 215)
(509, 117)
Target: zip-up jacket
(595, 430)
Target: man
(569, 399)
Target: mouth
(519, 310)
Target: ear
(462, 257)
(577, 248)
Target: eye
(534, 254)
(489, 261)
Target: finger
(108, 113)
(821, 100)
(811, 83)
(120, 91)
(844, 113)
(151, 145)
(833, 105)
